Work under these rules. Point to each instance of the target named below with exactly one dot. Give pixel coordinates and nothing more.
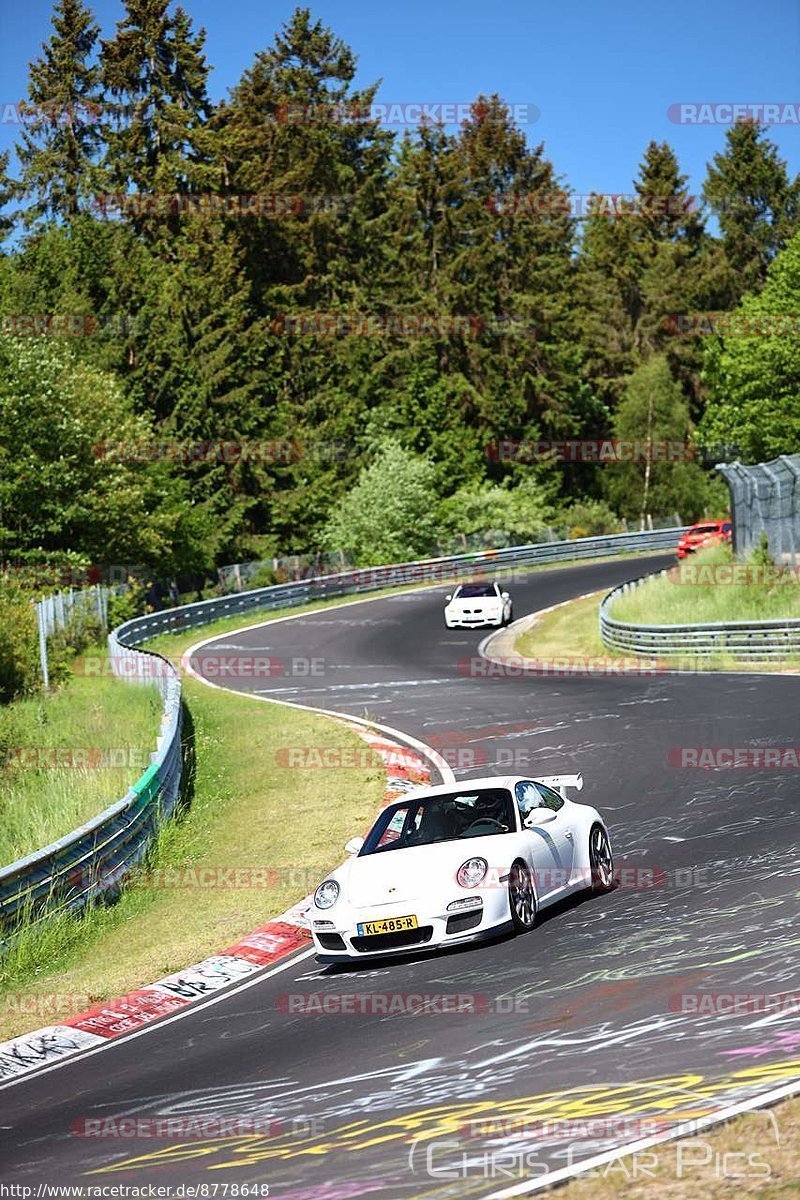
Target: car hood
(406, 875)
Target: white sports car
(473, 604)
(457, 863)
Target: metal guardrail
(93, 859)
(371, 579)
(752, 640)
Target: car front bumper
(433, 923)
(471, 620)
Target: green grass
(67, 756)
(682, 595)
(707, 1165)
(571, 631)
(282, 828)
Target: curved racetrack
(580, 1019)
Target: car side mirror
(504, 596)
(539, 816)
(354, 845)
(447, 599)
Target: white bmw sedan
(473, 604)
(457, 863)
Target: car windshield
(705, 529)
(469, 591)
(444, 818)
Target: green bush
(589, 518)
(390, 514)
(124, 606)
(19, 662)
(761, 555)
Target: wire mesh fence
(242, 577)
(765, 500)
(70, 610)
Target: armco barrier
(95, 858)
(371, 579)
(752, 640)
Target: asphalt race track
(583, 1019)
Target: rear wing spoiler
(560, 783)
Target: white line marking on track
(190, 1010)
(686, 1129)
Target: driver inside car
(528, 799)
(492, 809)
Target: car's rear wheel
(601, 860)
(521, 898)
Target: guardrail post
(40, 624)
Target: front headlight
(471, 873)
(326, 894)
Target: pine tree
(641, 267)
(748, 189)
(155, 69)
(62, 135)
(8, 190)
(296, 130)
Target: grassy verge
(572, 631)
(704, 588)
(66, 757)
(282, 829)
(742, 1158)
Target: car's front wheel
(601, 860)
(521, 898)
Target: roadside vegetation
(66, 757)
(132, 290)
(752, 1155)
(710, 586)
(280, 828)
(572, 632)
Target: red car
(704, 533)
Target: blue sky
(602, 74)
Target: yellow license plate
(387, 925)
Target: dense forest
(275, 325)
